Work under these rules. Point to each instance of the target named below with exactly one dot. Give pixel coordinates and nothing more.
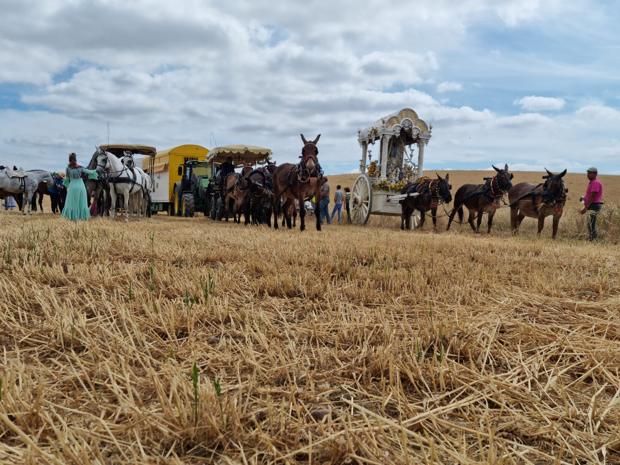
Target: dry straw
(184, 341)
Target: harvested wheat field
(186, 341)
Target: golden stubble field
(186, 341)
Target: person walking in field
(324, 202)
(338, 199)
(593, 202)
(76, 205)
(347, 199)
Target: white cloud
(537, 103)
(448, 86)
(259, 72)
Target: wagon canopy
(240, 154)
(120, 149)
(404, 123)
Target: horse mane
(92, 164)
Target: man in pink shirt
(593, 201)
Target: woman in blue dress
(76, 204)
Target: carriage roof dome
(120, 149)
(240, 154)
(186, 150)
(407, 119)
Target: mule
(481, 198)
(431, 192)
(260, 185)
(538, 201)
(299, 182)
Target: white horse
(123, 181)
(23, 183)
(140, 200)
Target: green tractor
(192, 194)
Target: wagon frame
(375, 191)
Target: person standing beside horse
(593, 202)
(76, 205)
(347, 201)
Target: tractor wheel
(188, 204)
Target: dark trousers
(593, 211)
(324, 210)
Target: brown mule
(538, 201)
(299, 182)
(230, 196)
(431, 193)
(481, 198)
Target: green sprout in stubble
(217, 386)
(207, 287)
(152, 278)
(195, 379)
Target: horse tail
(461, 213)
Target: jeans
(324, 209)
(593, 211)
(337, 209)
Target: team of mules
(524, 199)
(275, 190)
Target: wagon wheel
(361, 200)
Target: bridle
(496, 191)
(303, 174)
(554, 199)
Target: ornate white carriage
(376, 190)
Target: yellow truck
(168, 170)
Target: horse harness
(432, 186)
(491, 191)
(557, 203)
(120, 179)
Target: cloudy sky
(530, 82)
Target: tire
(188, 205)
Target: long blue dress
(76, 205)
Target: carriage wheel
(361, 200)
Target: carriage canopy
(395, 132)
(240, 154)
(120, 149)
(405, 123)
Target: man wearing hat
(593, 201)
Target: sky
(531, 83)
